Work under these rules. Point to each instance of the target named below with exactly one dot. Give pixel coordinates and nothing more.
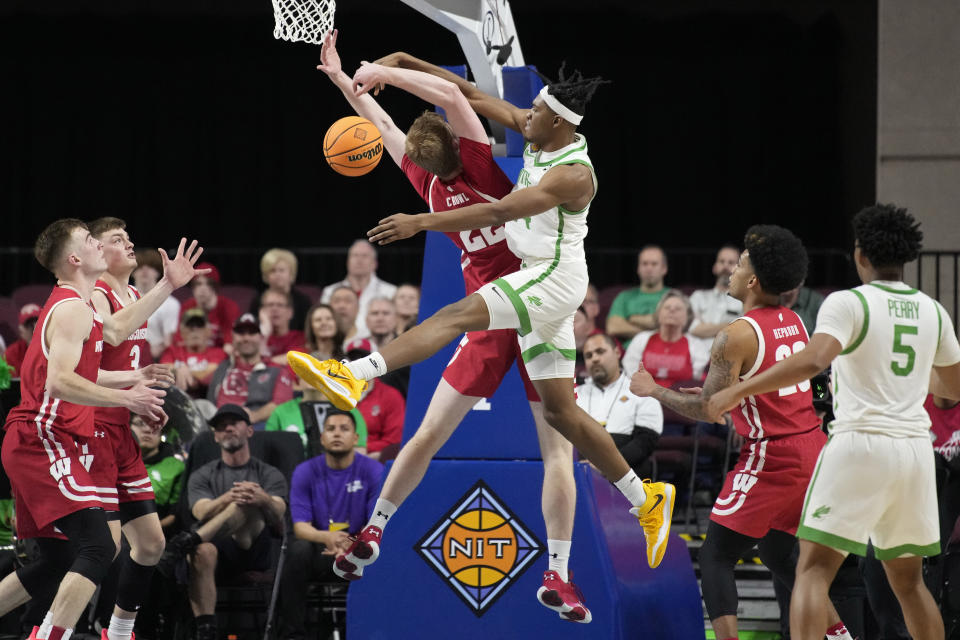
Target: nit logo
(479, 548)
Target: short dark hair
(887, 235)
(778, 257)
(101, 225)
(610, 340)
(333, 411)
(573, 91)
(287, 295)
(53, 240)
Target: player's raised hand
(180, 271)
(161, 373)
(329, 58)
(369, 76)
(642, 383)
(392, 61)
(146, 402)
(721, 402)
(396, 227)
(156, 424)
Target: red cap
(359, 344)
(214, 275)
(29, 311)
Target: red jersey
(383, 409)
(36, 405)
(484, 253)
(220, 319)
(944, 428)
(668, 362)
(235, 384)
(131, 354)
(194, 361)
(787, 411)
(290, 341)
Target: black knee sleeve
(718, 556)
(133, 510)
(45, 573)
(90, 538)
(134, 584)
(777, 551)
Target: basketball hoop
(303, 20)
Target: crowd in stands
(223, 517)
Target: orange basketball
(352, 146)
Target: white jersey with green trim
(892, 336)
(556, 234)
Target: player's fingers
(183, 243)
(196, 256)
(191, 249)
(334, 35)
(164, 258)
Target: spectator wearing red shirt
(26, 323)
(945, 425)
(195, 360)
(221, 311)
(669, 353)
(246, 379)
(381, 406)
(276, 312)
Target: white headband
(558, 108)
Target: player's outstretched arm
(494, 108)
(561, 185)
(803, 365)
(66, 330)
(176, 273)
(364, 105)
(434, 89)
(726, 362)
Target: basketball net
(303, 20)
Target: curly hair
(887, 235)
(574, 91)
(778, 257)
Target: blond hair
(431, 145)
(272, 257)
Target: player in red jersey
(762, 498)
(461, 171)
(120, 464)
(47, 450)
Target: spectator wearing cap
(361, 279)
(323, 338)
(276, 312)
(245, 379)
(221, 311)
(26, 323)
(382, 405)
(194, 361)
(163, 324)
(332, 497)
(407, 301)
(279, 270)
(346, 306)
(239, 502)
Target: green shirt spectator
(805, 302)
(304, 415)
(164, 469)
(6, 522)
(632, 310)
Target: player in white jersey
(545, 218)
(874, 480)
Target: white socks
(45, 627)
(120, 628)
(631, 487)
(366, 368)
(559, 553)
(381, 513)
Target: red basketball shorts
(482, 360)
(119, 463)
(767, 486)
(51, 476)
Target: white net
(303, 20)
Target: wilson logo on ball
(479, 548)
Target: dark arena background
(188, 118)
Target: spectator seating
(312, 291)
(35, 293)
(605, 298)
(9, 319)
(239, 293)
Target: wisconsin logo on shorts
(479, 548)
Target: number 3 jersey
(787, 411)
(485, 255)
(891, 336)
(130, 355)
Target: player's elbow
(112, 334)
(56, 385)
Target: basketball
(352, 146)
